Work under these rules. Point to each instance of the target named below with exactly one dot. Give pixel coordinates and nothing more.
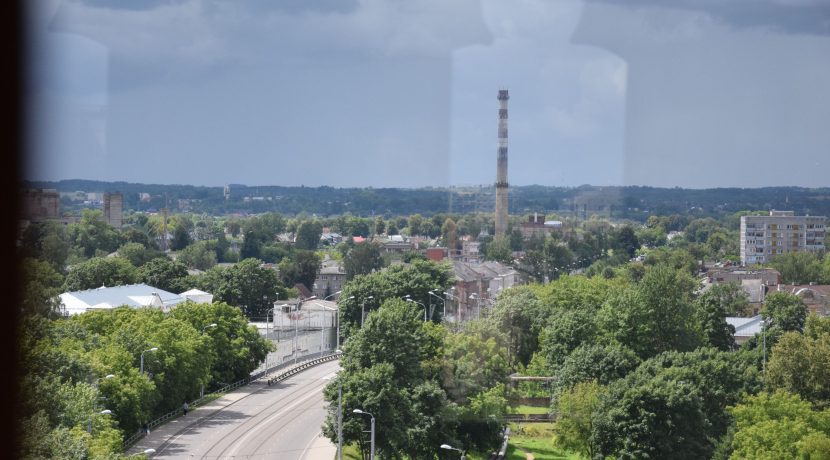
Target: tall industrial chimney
(501, 164)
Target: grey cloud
(790, 16)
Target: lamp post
(372, 451)
(142, 359)
(474, 295)
(103, 412)
(449, 447)
(443, 302)
(273, 317)
(339, 415)
(451, 296)
(419, 303)
(332, 295)
(363, 309)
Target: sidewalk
(162, 433)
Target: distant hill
(619, 202)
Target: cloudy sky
(402, 93)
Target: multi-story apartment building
(781, 232)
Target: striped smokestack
(501, 165)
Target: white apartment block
(764, 237)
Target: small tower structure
(501, 166)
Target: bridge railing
(307, 360)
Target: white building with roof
(197, 296)
(745, 328)
(107, 298)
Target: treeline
(93, 380)
(644, 365)
(630, 202)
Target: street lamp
(142, 358)
(274, 315)
(339, 415)
(474, 295)
(457, 301)
(443, 302)
(449, 447)
(332, 295)
(419, 303)
(103, 412)
(363, 309)
(209, 325)
(372, 452)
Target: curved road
(281, 421)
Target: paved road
(277, 422)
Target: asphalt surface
(280, 421)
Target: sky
(397, 93)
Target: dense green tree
(449, 235)
(396, 281)
(521, 316)
(165, 274)
(655, 316)
(198, 256)
(47, 241)
(478, 424)
(246, 285)
(382, 374)
(181, 237)
(499, 250)
(576, 410)
(773, 426)
(100, 271)
(301, 267)
(308, 234)
(414, 224)
(92, 236)
(798, 268)
(594, 362)
(236, 346)
(362, 259)
(566, 331)
(275, 253)
(679, 259)
(801, 365)
(473, 362)
(138, 254)
(785, 311)
(642, 414)
(626, 241)
(548, 263)
(651, 236)
(41, 286)
(380, 226)
(711, 310)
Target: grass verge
(536, 439)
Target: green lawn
(536, 439)
(522, 409)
